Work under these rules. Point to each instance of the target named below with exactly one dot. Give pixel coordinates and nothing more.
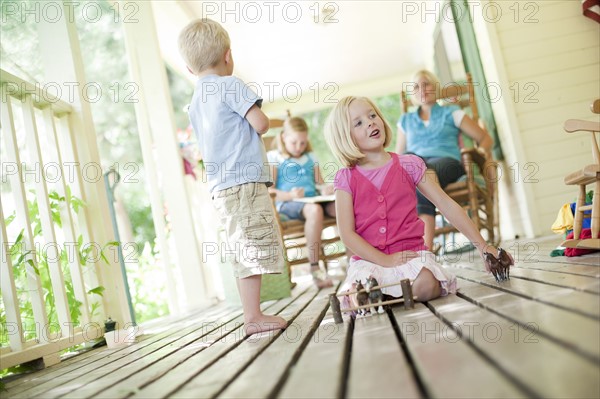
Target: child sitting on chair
(375, 197)
(296, 174)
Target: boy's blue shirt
(232, 151)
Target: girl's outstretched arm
(453, 212)
(344, 208)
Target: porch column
(63, 65)
(157, 129)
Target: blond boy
(226, 116)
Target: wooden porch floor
(537, 335)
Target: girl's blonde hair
(294, 124)
(202, 43)
(431, 78)
(337, 131)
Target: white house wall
(548, 53)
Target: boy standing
(228, 123)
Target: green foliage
(38, 260)
(147, 285)
(19, 48)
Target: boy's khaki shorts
(253, 239)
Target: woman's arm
(474, 131)
(344, 210)
(453, 212)
(401, 143)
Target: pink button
(382, 230)
(380, 198)
(381, 246)
(382, 216)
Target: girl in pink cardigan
(376, 205)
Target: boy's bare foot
(264, 323)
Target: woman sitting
(432, 133)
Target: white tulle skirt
(360, 269)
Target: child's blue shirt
(295, 172)
(232, 151)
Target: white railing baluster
(65, 214)
(17, 183)
(66, 143)
(50, 250)
(14, 326)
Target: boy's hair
(337, 131)
(431, 78)
(202, 43)
(295, 124)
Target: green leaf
(10, 218)
(32, 264)
(98, 290)
(54, 195)
(19, 237)
(56, 218)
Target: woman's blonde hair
(337, 131)
(202, 43)
(292, 124)
(431, 78)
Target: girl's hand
(297, 192)
(400, 258)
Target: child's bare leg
(426, 287)
(313, 227)
(254, 320)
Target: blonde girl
(296, 174)
(376, 205)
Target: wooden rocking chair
(477, 192)
(589, 174)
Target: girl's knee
(313, 212)
(426, 287)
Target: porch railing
(40, 156)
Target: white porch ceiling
(367, 48)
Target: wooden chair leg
(578, 214)
(596, 211)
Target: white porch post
(63, 65)
(157, 130)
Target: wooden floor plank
(279, 356)
(566, 298)
(89, 356)
(378, 366)
(216, 377)
(567, 280)
(540, 249)
(58, 380)
(536, 363)
(581, 270)
(436, 351)
(575, 331)
(230, 337)
(111, 377)
(321, 363)
(153, 372)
